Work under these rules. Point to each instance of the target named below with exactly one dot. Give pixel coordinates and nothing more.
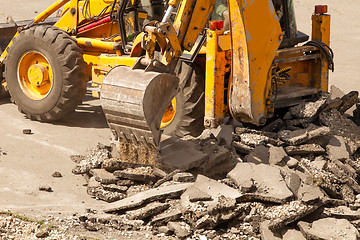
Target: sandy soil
(31, 160)
(345, 37)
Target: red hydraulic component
(94, 24)
(216, 25)
(321, 9)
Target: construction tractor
(166, 66)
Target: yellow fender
(255, 36)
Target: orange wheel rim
(35, 75)
(169, 114)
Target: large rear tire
(3, 92)
(189, 103)
(45, 73)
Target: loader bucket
(134, 102)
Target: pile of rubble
(296, 178)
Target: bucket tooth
(134, 102)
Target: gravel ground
(14, 226)
(17, 227)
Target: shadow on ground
(87, 115)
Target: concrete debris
(164, 229)
(45, 188)
(77, 158)
(307, 109)
(292, 162)
(305, 149)
(149, 210)
(254, 139)
(319, 163)
(282, 215)
(337, 150)
(180, 154)
(224, 133)
(195, 195)
(93, 160)
(267, 234)
(57, 174)
(303, 135)
(329, 228)
(274, 126)
(215, 188)
(156, 194)
(356, 114)
(103, 176)
(115, 188)
(216, 155)
(277, 156)
(125, 182)
(181, 229)
(297, 124)
(172, 215)
(293, 181)
(269, 183)
(96, 190)
(298, 172)
(309, 193)
(42, 233)
(114, 164)
(343, 212)
(242, 148)
(332, 104)
(27, 131)
(342, 126)
(141, 174)
(167, 177)
(348, 101)
(183, 177)
(260, 154)
(335, 92)
(292, 234)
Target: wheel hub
(38, 74)
(35, 75)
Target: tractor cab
(286, 15)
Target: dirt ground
(30, 160)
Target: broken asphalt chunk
(305, 149)
(277, 156)
(342, 126)
(290, 212)
(180, 154)
(141, 174)
(147, 211)
(172, 215)
(303, 135)
(307, 109)
(260, 154)
(329, 228)
(224, 133)
(336, 149)
(160, 193)
(95, 189)
(214, 188)
(181, 229)
(270, 185)
(103, 176)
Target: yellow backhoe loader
(175, 66)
